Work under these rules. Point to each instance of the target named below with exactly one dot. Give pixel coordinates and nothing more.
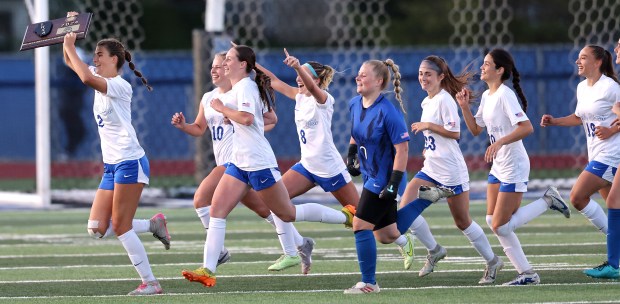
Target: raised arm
(462, 98)
(80, 68)
(278, 84)
(308, 81)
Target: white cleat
(305, 252)
(160, 230)
(433, 194)
(146, 289)
(361, 288)
(490, 272)
(224, 256)
(431, 261)
(556, 202)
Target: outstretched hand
(291, 61)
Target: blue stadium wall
(547, 75)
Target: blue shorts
(258, 180)
(458, 189)
(126, 172)
(328, 184)
(601, 170)
(508, 187)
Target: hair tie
(311, 70)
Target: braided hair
(382, 69)
(503, 59)
(117, 49)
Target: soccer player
(596, 96)
(253, 162)
(507, 124)
(378, 150)
(222, 132)
(126, 167)
(320, 162)
(444, 164)
(609, 269)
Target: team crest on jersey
(311, 123)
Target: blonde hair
(381, 69)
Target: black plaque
(53, 31)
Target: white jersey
(443, 159)
(221, 133)
(594, 104)
(500, 113)
(112, 112)
(314, 128)
(251, 150)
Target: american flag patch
(451, 124)
(245, 104)
(404, 135)
(520, 114)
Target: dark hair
(324, 72)
(451, 83)
(382, 69)
(503, 59)
(607, 67)
(267, 95)
(116, 48)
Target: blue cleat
(603, 271)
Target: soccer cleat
(524, 279)
(555, 201)
(431, 261)
(433, 194)
(490, 272)
(159, 229)
(224, 256)
(603, 271)
(362, 287)
(349, 212)
(148, 288)
(305, 252)
(407, 251)
(285, 261)
(201, 275)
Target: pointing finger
(286, 53)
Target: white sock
(286, 236)
(476, 237)
(422, 232)
(139, 226)
(596, 215)
(203, 215)
(514, 252)
(401, 241)
(299, 240)
(269, 219)
(489, 219)
(312, 212)
(215, 242)
(527, 213)
(135, 250)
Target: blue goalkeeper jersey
(376, 130)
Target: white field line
(269, 250)
(266, 275)
(331, 290)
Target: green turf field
(47, 257)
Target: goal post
(42, 197)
